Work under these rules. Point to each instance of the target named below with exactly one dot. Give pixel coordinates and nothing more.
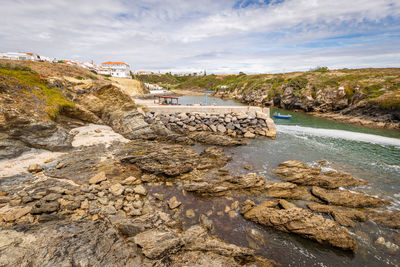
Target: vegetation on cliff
(29, 92)
(358, 84)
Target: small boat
(279, 116)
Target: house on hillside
(20, 56)
(48, 59)
(116, 69)
(143, 72)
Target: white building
(20, 56)
(48, 59)
(116, 69)
(143, 72)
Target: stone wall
(233, 124)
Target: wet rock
(213, 157)
(386, 218)
(304, 223)
(215, 139)
(101, 176)
(196, 238)
(206, 222)
(342, 215)
(34, 168)
(300, 173)
(173, 203)
(210, 184)
(156, 244)
(347, 198)
(289, 191)
(387, 244)
(190, 213)
(139, 189)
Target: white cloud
(180, 35)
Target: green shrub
(79, 77)
(91, 77)
(320, 69)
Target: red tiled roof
(113, 63)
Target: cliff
(370, 94)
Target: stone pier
(235, 121)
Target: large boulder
(159, 158)
(342, 215)
(302, 222)
(300, 173)
(347, 198)
(156, 244)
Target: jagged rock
(386, 218)
(304, 223)
(289, 190)
(131, 180)
(45, 207)
(190, 213)
(117, 189)
(42, 134)
(213, 157)
(173, 203)
(342, 215)
(101, 176)
(9, 214)
(70, 243)
(139, 189)
(156, 244)
(347, 198)
(215, 139)
(300, 173)
(34, 168)
(158, 158)
(217, 184)
(11, 148)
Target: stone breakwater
(234, 124)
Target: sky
(220, 36)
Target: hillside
(373, 93)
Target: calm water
(370, 154)
(184, 100)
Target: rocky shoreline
(331, 104)
(100, 186)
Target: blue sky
(254, 36)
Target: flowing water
(366, 153)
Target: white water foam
(339, 134)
